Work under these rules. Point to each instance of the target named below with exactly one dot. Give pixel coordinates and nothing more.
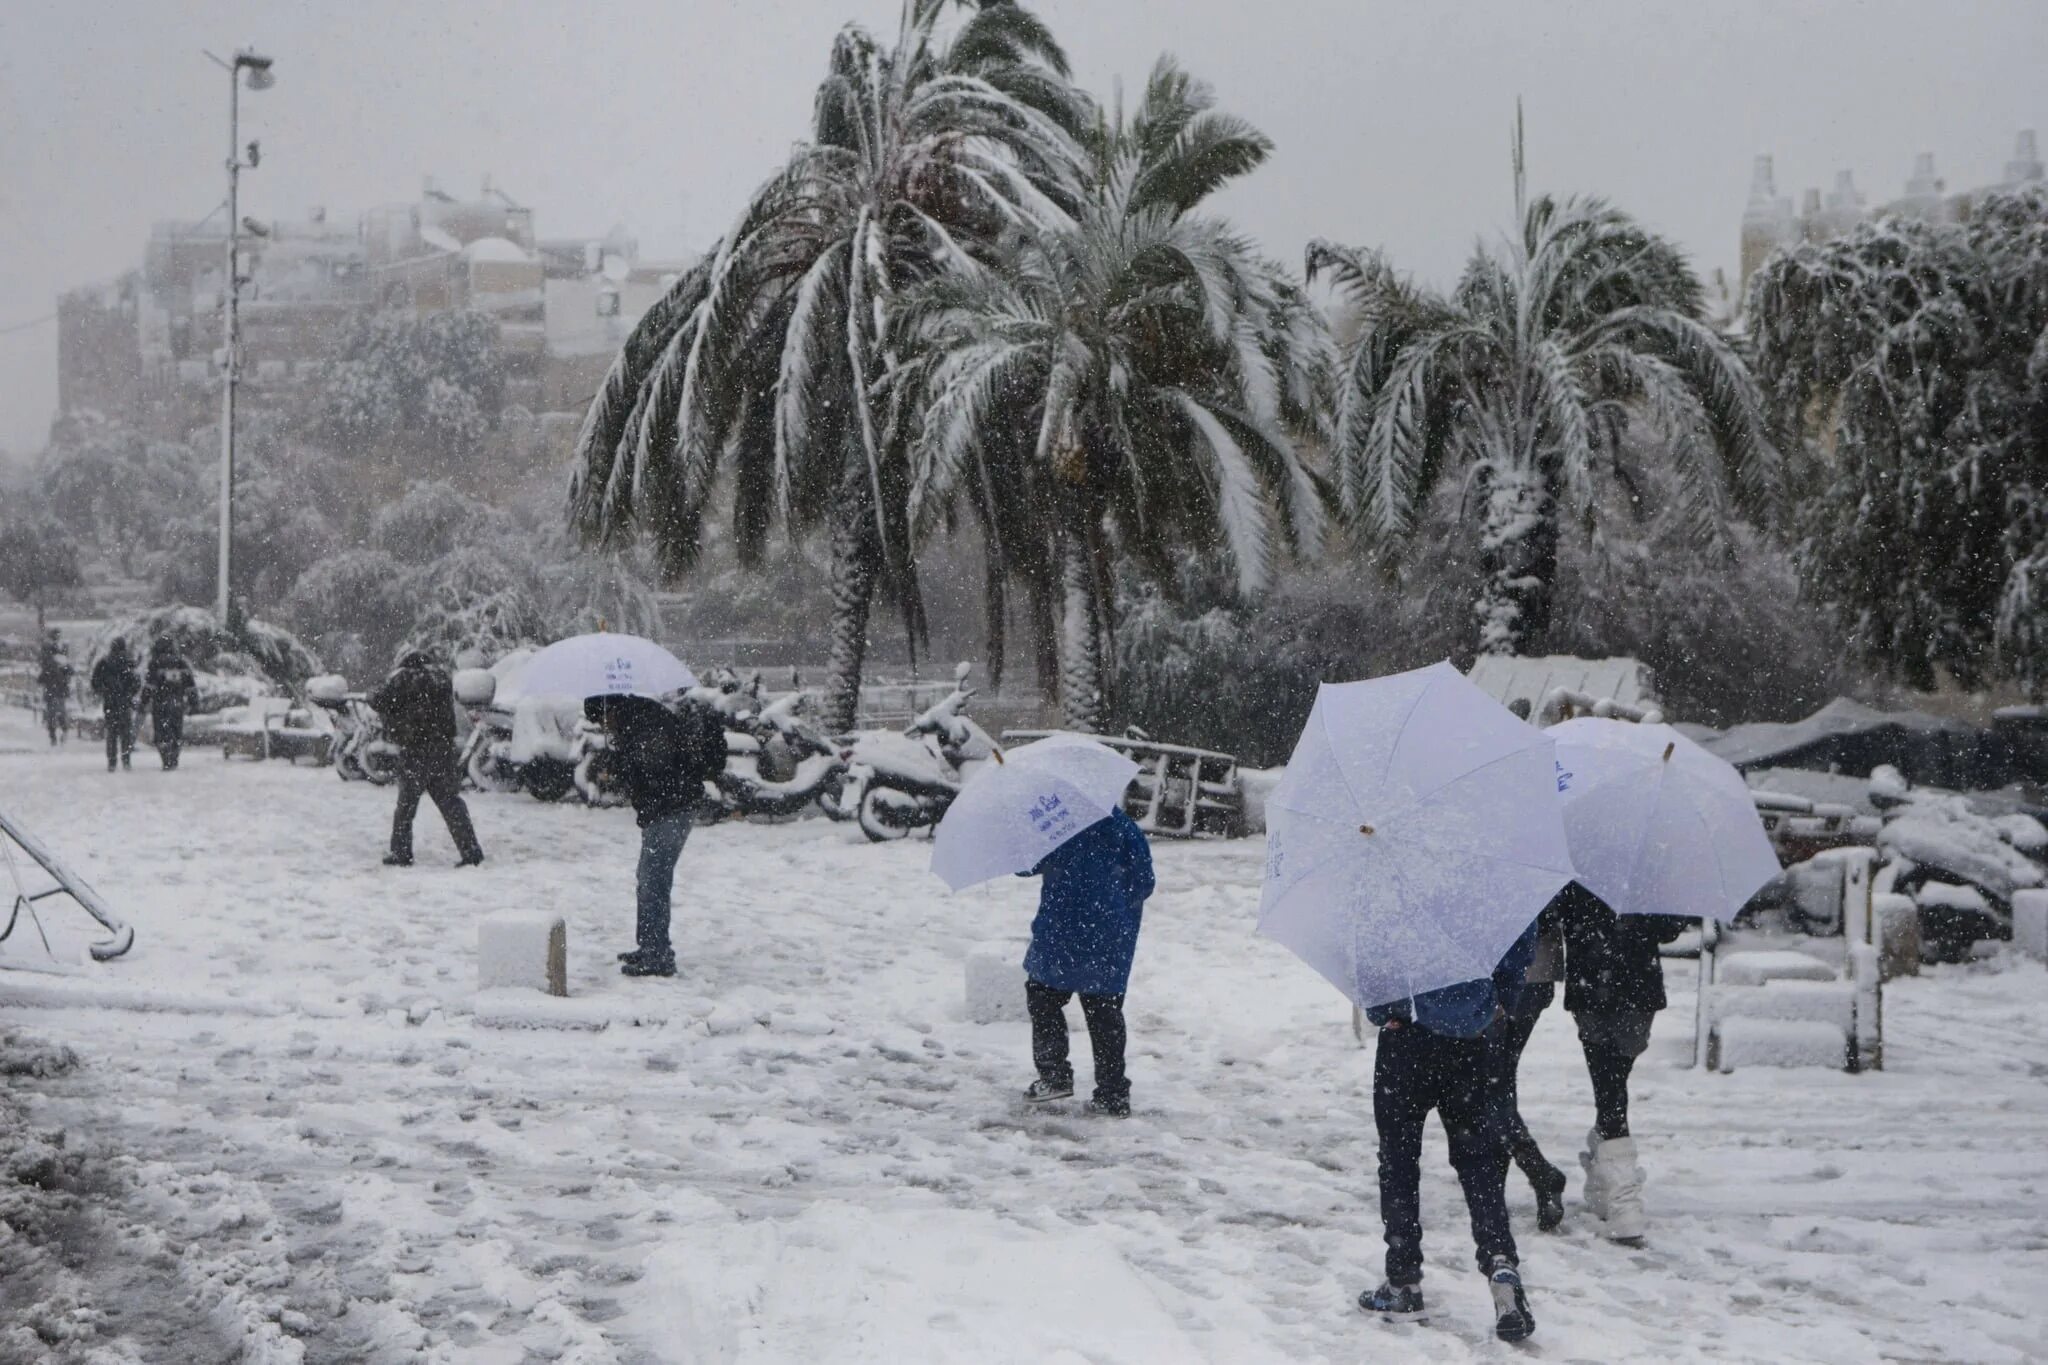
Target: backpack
(700, 735)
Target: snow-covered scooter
(896, 783)
(361, 753)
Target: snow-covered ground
(800, 1150)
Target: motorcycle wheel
(832, 797)
(348, 769)
(549, 779)
(484, 774)
(887, 815)
(380, 773)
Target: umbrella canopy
(1658, 826)
(1012, 813)
(1414, 836)
(603, 665)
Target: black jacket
(115, 680)
(169, 687)
(418, 706)
(663, 756)
(1611, 964)
(53, 670)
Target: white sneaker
(1624, 1190)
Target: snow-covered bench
(273, 727)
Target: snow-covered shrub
(435, 518)
(259, 651)
(358, 605)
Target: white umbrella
(1014, 812)
(1414, 836)
(602, 665)
(1658, 826)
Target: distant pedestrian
(1614, 986)
(1506, 1041)
(53, 680)
(417, 704)
(1090, 907)
(1432, 1053)
(170, 691)
(116, 683)
(664, 756)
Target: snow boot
(1119, 1108)
(1549, 1199)
(1623, 1200)
(1042, 1092)
(1594, 1191)
(1395, 1303)
(1512, 1320)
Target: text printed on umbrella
(618, 671)
(1564, 777)
(1050, 816)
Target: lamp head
(255, 69)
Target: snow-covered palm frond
(1240, 496)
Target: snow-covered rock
(1782, 1042)
(522, 948)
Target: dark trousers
(55, 717)
(1414, 1072)
(436, 776)
(170, 735)
(120, 734)
(1610, 1071)
(1507, 1039)
(654, 880)
(1105, 1016)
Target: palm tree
(1124, 385)
(772, 354)
(1526, 377)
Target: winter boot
(1042, 1092)
(398, 860)
(1116, 1107)
(1594, 1191)
(1512, 1320)
(474, 858)
(1549, 1186)
(649, 964)
(1395, 1303)
(1623, 1199)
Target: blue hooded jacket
(1089, 908)
(1465, 1009)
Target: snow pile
(1942, 832)
(1781, 1042)
(2030, 924)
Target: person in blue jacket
(1089, 908)
(1433, 1053)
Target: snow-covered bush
(259, 651)
(434, 518)
(358, 605)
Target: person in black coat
(53, 678)
(664, 757)
(417, 704)
(1506, 1041)
(1614, 986)
(116, 683)
(169, 690)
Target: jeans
(120, 734)
(1508, 1038)
(170, 735)
(435, 775)
(661, 843)
(1106, 1034)
(1414, 1072)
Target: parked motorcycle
(777, 764)
(897, 783)
(489, 755)
(361, 753)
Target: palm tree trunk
(856, 552)
(1080, 638)
(1518, 554)
(1045, 637)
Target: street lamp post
(255, 69)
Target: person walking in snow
(1433, 1053)
(1506, 1042)
(1614, 986)
(115, 682)
(417, 704)
(664, 757)
(1090, 906)
(170, 691)
(53, 678)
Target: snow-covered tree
(117, 490)
(1909, 363)
(772, 356)
(1525, 378)
(1122, 386)
(358, 605)
(415, 392)
(434, 518)
(37, 559)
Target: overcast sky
(1391, 119)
